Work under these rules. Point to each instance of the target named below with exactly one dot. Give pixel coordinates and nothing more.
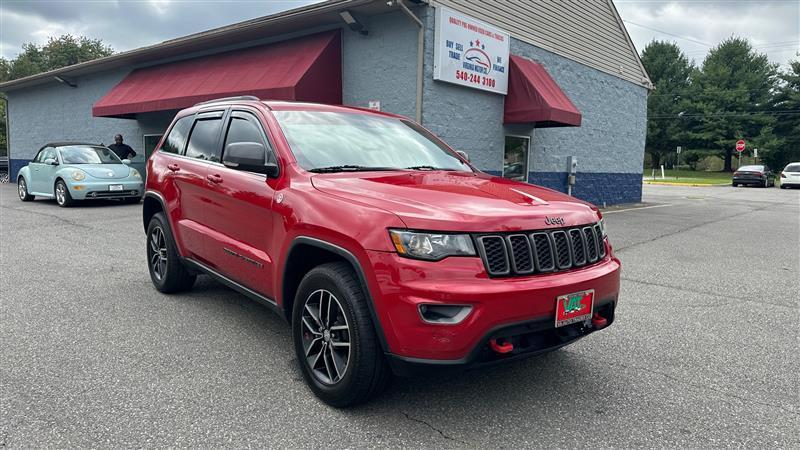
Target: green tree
(785, 147)
(670, 71)
(59, 52)
(730, 97)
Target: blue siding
(599, 188)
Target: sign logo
(554, 221)
(573, 304)
(476, 59)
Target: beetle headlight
(135, 173)
(431, 246)
(78, 175)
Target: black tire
(366, 372)
(131, 200)
(63, 197)
(167, 271)
(22, 190)
(734, 185)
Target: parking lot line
(636, 209)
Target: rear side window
(203, 140)
(792, 168)
(177, 136)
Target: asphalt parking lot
(704, 351)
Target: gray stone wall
(57, 112)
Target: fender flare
(362, 279)
(160, 200)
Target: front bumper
(498, 305)
(96, 190)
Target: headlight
(431, 246)
(602, 227)
(78, 175)
(135, 173)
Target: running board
(244, 290)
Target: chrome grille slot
(591, 244)
(521, 258)
(578, 247)
(494, 254)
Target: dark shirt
(124, 151)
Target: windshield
(86, 154)
(792, 168)
(344, 141)
(751, 169)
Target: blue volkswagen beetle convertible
(71, 171)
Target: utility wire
(667, 33)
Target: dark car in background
(753, 176)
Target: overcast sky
(773, 26)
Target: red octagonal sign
(740, 145)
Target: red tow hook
(599, 321)
(505, 347)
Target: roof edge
(143, 52)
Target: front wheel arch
(297, 264)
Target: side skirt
(244, 290)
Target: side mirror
(51, 162)
(463, 154)
(249, 156)
(126, 161)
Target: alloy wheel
(326, 337)
(61, 195)
(22, 189)
(158, 253)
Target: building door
(516, 157)
(149, 143)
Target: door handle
(214, 178)
(173, 167)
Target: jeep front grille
(524, 253)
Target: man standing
(124, 151)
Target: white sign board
(469, 52)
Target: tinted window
(203, 140)
(751, 168)
(244, 128)
(177, 136)
(792, 168)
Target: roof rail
(228, 99)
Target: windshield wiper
(349, 168)
(428, 168)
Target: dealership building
(534, 91)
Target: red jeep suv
(385, 250)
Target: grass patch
(688, 177)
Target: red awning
(305, 69)
(534, 97)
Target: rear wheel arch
(306, 253)
(152, 204)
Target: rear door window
(176, 140)
(204, 139)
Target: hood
(457, 201)
(109, 171)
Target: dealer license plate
(574, 308)
(114, 187)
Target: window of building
(149, 143)
(515, 158)
(177, 136)
(203, 140)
